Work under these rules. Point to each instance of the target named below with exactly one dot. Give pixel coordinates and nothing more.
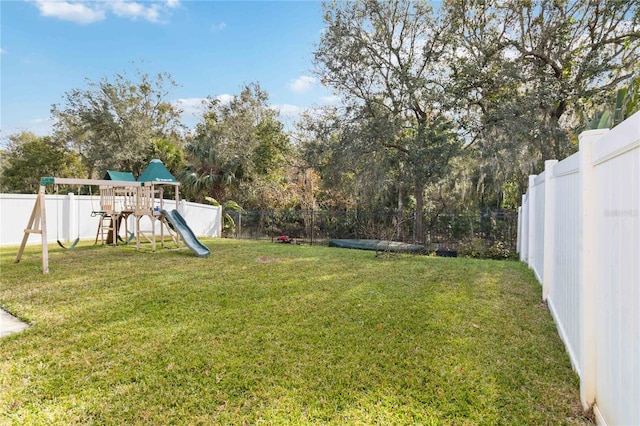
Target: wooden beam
(32, 225)
(43, 232)
(101, 182)
(37, 225)
(95, 182)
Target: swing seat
(73, 244)
(128, 240)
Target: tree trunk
(419, 194)
(400, 204)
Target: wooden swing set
(118, 201)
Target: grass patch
(278, 334)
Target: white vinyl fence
(69, 216)
(580, 233)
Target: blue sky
(211, 48)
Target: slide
(186, 233)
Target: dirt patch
(265, 259)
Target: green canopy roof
(158, 173)
(123, 176)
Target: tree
(623, 105)
(30, 157)
(170, 152)
(528, 70)
(516, 108)
(228, 224)
(385, 59)
(574, 52)
(356, 172)
(239, 151)
(113, 123)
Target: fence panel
(586, 253)
(565, 295)
(616, 161)
(524, 228)
(537, 255)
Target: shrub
(478, 248)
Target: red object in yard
(284, 239)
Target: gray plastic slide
(186, 233)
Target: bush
(499, 250)
(478, 248)
(472, 247)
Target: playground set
(120, 199)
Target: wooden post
(137, 223)
(43, 231)
(153, 232)
(177, 189)
(37, 225)
(160, 208)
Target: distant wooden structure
(154, 178)
(116, 205)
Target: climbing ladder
(106, 225)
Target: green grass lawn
(263, 333)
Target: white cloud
(198, 105)
(288, 110)
(511, 53)
(2, 51)
(218, 27)
(302, 84)
(194, 108)
(330, 99)
(85, 12)
(190, 105)
(37, 126)
(134, 10)
(75, 12)
(225, 98)
(38, 121)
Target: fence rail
(579, 230)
